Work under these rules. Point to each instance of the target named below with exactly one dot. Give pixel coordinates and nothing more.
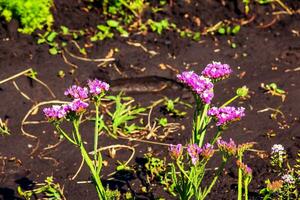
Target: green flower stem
(220, 169)
(240, 177)
(96, 133)
(246, 188)
(203, 125)
(65, 134)
(99, 187)
(230, 101)
(197, 120)
(183, 171)
(219, 132)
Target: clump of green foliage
(48, 190)
(32, 14)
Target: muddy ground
(266, 52)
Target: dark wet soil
(265, 53)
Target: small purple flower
(217, 70)
(97, 87)
(199, 84)
(77, 92)
(229, 148)
(207, 151)
(175, 150)
(225, 115)
(55, 112)
(77, 106)
(288, 179)
(194, 150)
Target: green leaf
(41, 40)
(222, 31)
(53, 51)
(112, 23)
(236, 29)
(52, 36)
(65, 30)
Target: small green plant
(286, 187)
(158, 26)
(49, 38)
(155, 167)
(32, 14)
(47, 190)
(170, 106)
(229, 30)
(123, 114)
(274, 90)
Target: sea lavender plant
(202, 88)
(187, 182)
(73, 112)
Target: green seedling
(226, 29)
(274, 90)
(48, 190)
(158, 27)
(123, 114)
(170, 106)
(49, 38)
(163, 122)
(155, 167)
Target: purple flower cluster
(77, 105)
(175, 150)
(199, 84)
(225, 115)
(229, 148)
(195, 152)
(77, 92)
(207, 151)
(97, 87)
(55, 112)
(216, 70)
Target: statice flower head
(277, 149)
(77, 106)
(175, 150)
(77, 92)
(194, 150)
(226, 115)
(97, 87)
(228, 148)
(198, 84)
(245, 168)
(207, 151)
(288, 179)
(55, 112)
(217, 71)
(278, 154)
(275, 185)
